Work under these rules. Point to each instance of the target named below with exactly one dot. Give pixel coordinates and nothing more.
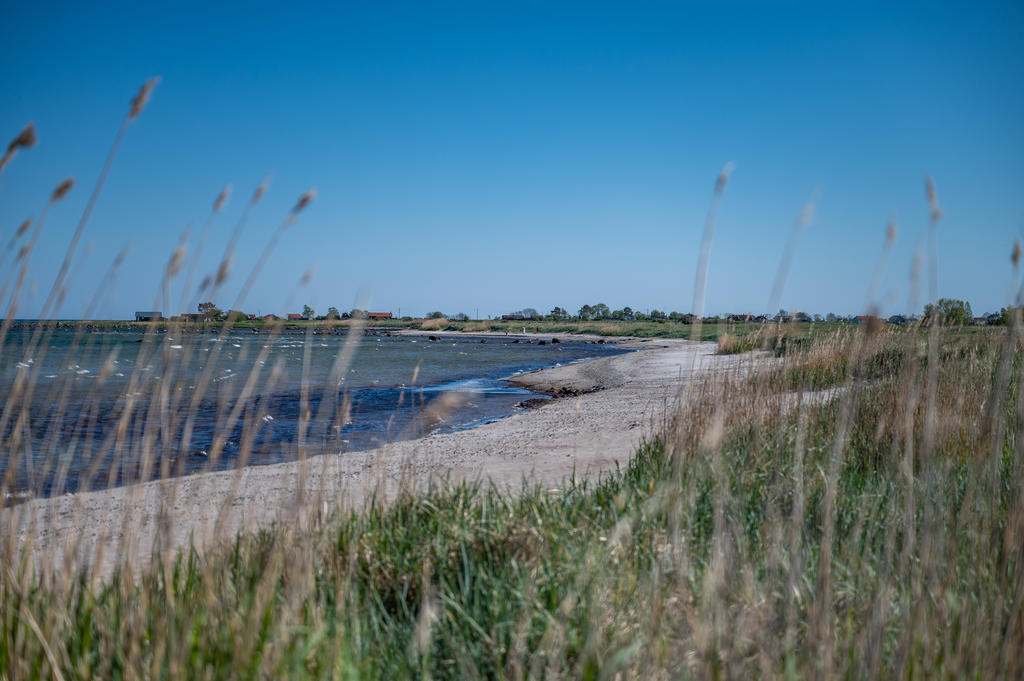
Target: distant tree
(210, 312)
(460, 317)
(436, 314)
(558, 313)
(586, 313)
(307, 312)
(803, 317)
(817, 317)
(658, 314)
(950, 311)
(831, 317)
(627, 312)
(332, 313)
(356, 313)
(601, 311)
(530, 313)
(1005, 316)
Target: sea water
(85, 410)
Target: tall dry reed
(839, 505)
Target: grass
(854, 510)
(701, 558)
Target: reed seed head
(257, 195)
(223, 271)
(1015, 256)
(807, 212)
(174, 264)
(723, 177)
(874, 320)
(22, 229)
(933, 199)
(25, 139)
(806, 215)
(221, 198)
(140, 100)
(62, 189)
(304, 201)
(890, 233)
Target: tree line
(950, 311)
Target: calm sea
(94, 408)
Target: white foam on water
(476, 385)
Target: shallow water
(108, 407)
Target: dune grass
(704, 557)
(854, 509)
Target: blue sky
(494, 156)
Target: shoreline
(603, 409)
(486, 379)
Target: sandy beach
(602, 410)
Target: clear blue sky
(495, 156)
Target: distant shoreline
(605, 328)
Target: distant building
(270, 318)
(378, 315)
(190, 317)
(293, 317)
(149, 316)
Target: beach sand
(606, 407)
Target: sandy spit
(608, 406)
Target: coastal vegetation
(855, 512)
(849, 503)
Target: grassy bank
(764, 532)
